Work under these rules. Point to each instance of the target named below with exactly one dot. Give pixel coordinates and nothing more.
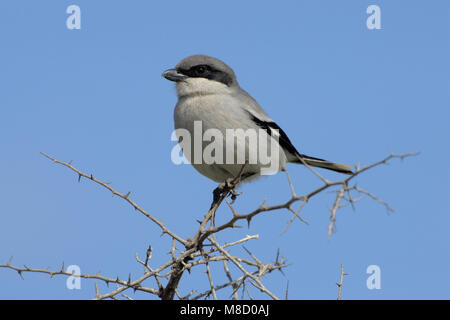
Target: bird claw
(223, 188)
(234, 195)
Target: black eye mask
(207, 72)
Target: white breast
(213, 104)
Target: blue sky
(340, 91)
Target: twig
(203, 248)
(123, 196)
(257, 282)
(340, 283)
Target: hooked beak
(173, 75)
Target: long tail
(320, 163)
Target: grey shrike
(208, 92)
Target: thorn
(129, 278)
(20, 274)
(62, 267)
(148, 254)
(248, 251)
(127, 195)
(92, 178)
(79, 177)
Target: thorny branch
(341, 282)
(126, 196)
(204, 249)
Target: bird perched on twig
(209, 94)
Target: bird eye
(200, 69)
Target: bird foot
(225, 187)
